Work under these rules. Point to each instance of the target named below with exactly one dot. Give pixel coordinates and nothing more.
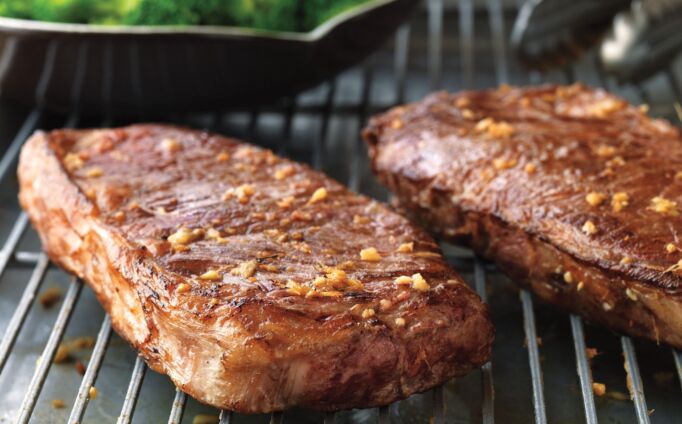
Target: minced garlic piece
(400, 322)
(494, 129)
(284, 172)
(92, 393)
(605, 107)
(331, 293)
(370, 254)
(210, 275)
(591, 352)
(286, 202)
(72, 162)
(580, 285)
(244, 193)
(170, 145)
(501, 164)
(214, 234)
(568, 277)
(626, 260)
(468, 114)
(501, 130)
(368, 313)
(615, 162)
(182, 288)
(205, 419)
(246, 269)
(670, 248)
(462, 102)
(119, 216)
(619, 201)
(631, 294)
(530, 168)
(483, 124)
(94, 172)
(385, 304)
(319, 195)
(599, 389)
(605, 151)
(419, 283)
(606, 306)
(50, 297)
(589, 228)
(184, 236)
(62, 355)
(664, 206)
(295, 288)
(403, 280)
(336, 276)
(405, 247)
(360, 219)
(223, 157)
(595, 199)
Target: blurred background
(306, 94)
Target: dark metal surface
(541, 369)
(170, 69)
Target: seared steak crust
(239, 274)
(570, 189)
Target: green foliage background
(277, 15)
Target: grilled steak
(255, 283)
(574, 193)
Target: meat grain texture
(240, 274)
(573, 192)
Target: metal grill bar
(225, 417)
(253, 123)
(438, 406)
(634, 380)
(678, 363)
(13, 150)
(356, 172)
(178, 408)
(35, 115)
(91, 372)
(23, 257)
(497, 32)
(289, 111)
(329, 418)
(384, 416)
(435, 15)
(466, 33)
(277, 418)
(25, 303)
(319, 149)
(670, 73)
(12, 241)
(488, 404)
(584, 371)
(533, 357)
(47, 356)
(133, 392)
(402, 41)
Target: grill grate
(327, 111)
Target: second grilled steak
(572, 191)
(255, 283)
